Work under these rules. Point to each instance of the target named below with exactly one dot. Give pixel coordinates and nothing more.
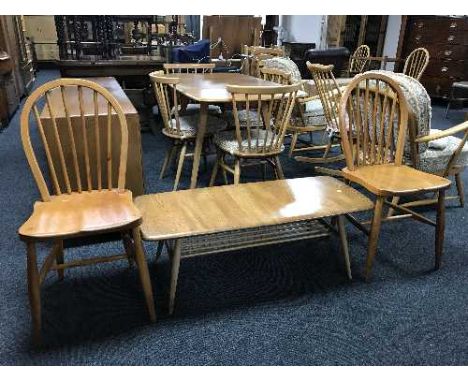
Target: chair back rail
(328, 91)
(165, 89)
(60, 143)
(359, 59)
(273, 105)
(188, 68)
(275, 75)
(373, 119)
(416, 63)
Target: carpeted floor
(281, 305)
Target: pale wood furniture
(192, 223)
(209, 89)
(85, 109)
(275, 75)
(358, 61)
(373, 118)
(180, 129)
(264, 140)
(91, 199)
(329, 93)
(416, 63)
(188, 68)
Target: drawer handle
(418, 37)
(451, 37)
(443, 69)
(448, 52)
(420, 24)
(453, 25)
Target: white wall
(391, 38)
(302, 28)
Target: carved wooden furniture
(208, 89)
(192, 223)
(329, 92)
(446, 39)
(416, 63)
(180, 129)
(264, 140)
(90, 202)
(358, 61)
(373, 119)
(459, 92)
(134, 174)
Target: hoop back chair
(262, 140)
(416, 63)
(329, 94)
(358, 61)
(180, 129)
(373, 118)
(87, 194)
(188, 68)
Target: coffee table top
(211, 87)
(202, 211)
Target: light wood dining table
(208, 89)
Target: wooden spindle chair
(87, 195)
(275, 75)
(188, 68)
(262, 141)
(182, 130)
(329, 94)
(373, 118)
(358, 61)
(416, 63)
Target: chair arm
(306, 99)
(445, 133)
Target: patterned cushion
(286, 65)
(242, 115)
(435, 159)
(227, 141)
(189, 126)
(193, 108)
(314, 114)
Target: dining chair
(373, 118)
(358, 60)
(262, 142)
(181, 129)
(84, 195)
(416, 63)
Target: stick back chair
(182, 130)
(188, 68)
(261, 141)
(275, 75)
(329, 94)
(87, 195)
(359, 59)
(416, 63)
(373, 118)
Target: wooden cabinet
(446, 39)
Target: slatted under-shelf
(253, 237)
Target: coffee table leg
(344, 244)
(174, 275)
(199, 143)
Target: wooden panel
(217, 209)
(134, 176)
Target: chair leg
(237, 171)
(34, 292)
(59, 259)
(344, 245)
(144, 273)
(215, 168)
(374, 234)
(460, 189)
(167, 160)
(279, 168)
(440, 229)
(395, 200)
(223, 170)
(180, 165)
(174, 275)
(293, 143)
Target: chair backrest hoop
(358, 61)
(112, 105)
(416, 63)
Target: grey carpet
(281, 305)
